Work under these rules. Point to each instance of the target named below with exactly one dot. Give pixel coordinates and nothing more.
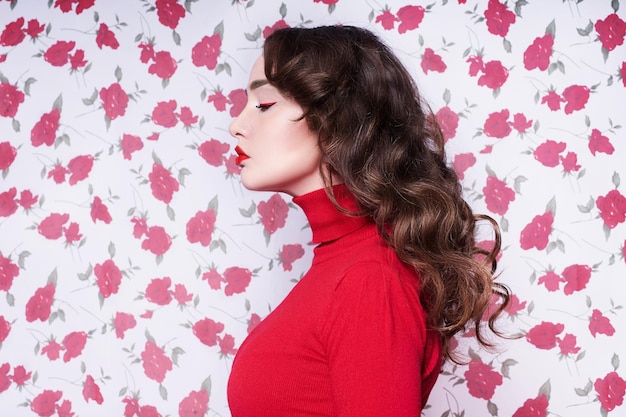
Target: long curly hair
(381, 140)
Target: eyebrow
(257, 83)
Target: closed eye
(265, 106)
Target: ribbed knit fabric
(349, 340)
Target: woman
(334, 120)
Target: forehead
(258, 71)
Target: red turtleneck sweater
(349, 340)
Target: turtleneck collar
(327, 222)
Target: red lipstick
(241, 155)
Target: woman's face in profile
(276, 150)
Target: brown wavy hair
(378, 137)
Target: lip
(241, 155)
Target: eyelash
(265, 106)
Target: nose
(236, 128)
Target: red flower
(77, 60)
(162, 184)
(114, 101)
(157, 240)
(52, 350)
(548, 153)
(206, 331)
(108, 277)
(123, 322)
(20, 376)
(289, 254)
(553, 100)
(200, 227)
(599, 323)
(537, 55)
(520, 123)
(99, 211)
(494, 75)
(52, 226)
(482, 380)
(497, 125)
(212, 151)
(537, 232)
(448, 122)
(410, 18)
(105, 37)
(386, 19)
(58, 54)
(164, 113)
(27, 199)
(219, 100)
(186, 116)
(34, 28)
(227, 345)
(80, 167)
(5, 328)
(462, 162)
(576, 97)
(238, 100)
(551, 280)
(147, 52)
(599, 143)
(194, 405)
(611, 390)
(205, 52)
(169, 12)
(268, 30)
(57, 173)
(164, 65)
(10, 99)
(8, 205)
(567, 345)
(155, 363)
(44, 131)
(40, 304)
(91, 391)
(544, 335)
(8, 272)
(612, 208)
(158, 291)
(213, 278)
(254, 321)
(570, 162)
(237, 280)
(476, 65)
(576, 278)
(533, 407)
(432, 62)
(497, 195)
(13, 34)
(273, 213)
(44, 404)
(611, 31)
(498, 18)
(74, 343)
(130, 144)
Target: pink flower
(58, 173)
(548, 153)
(74, 343)
(169, 12)
(186, 116)
(206, 331)
(432, 62)
(99, 211)
(576, 278)
(611, 390)
(598, 143)
(237, 98)
(212, 151)
(410, 18)
(254, 321)
(498, 195)
(537, 232)
(219, 100)
(52, 226)
(494, 75)
(8, 205)
(44, 131)
(72, 233)
(77, 60)
(130, 144)
(386, 19)
(551, 280)
(10, 100)
(44, 403)
(162, 183)
(91, 391)
(140, 227)
(108, 278)
(79, 168)
(273, 213)
(105, 37)
(520, 123)
(52, 350)
(611, 31)
(195, 404)
(268, 30)
(157, 240)
(570, 162)
(164, 66)
(147, 52)
(155, 363)
(158, 291)
(237, 280)
(537, 55)
(600, 324)
(482, 380)
(476, 65)
(533, 407)
(497, 125)
(5, 328)
(462, 162)
(567, 345)
(448, 122)
(27, 199)
(164, 114)
(205, 52)
(20, 376)
(34, 28)
(227, 345)
(123, 322)
(612, 208)
(181, 295)
(576, 97)
(498, 18)
(544, 335)
(289, 254)
(13, 33)
(200, 227)
(553, 100)
(213, 278)
(114, 101)
(58, 54)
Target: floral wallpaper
(133, 263)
